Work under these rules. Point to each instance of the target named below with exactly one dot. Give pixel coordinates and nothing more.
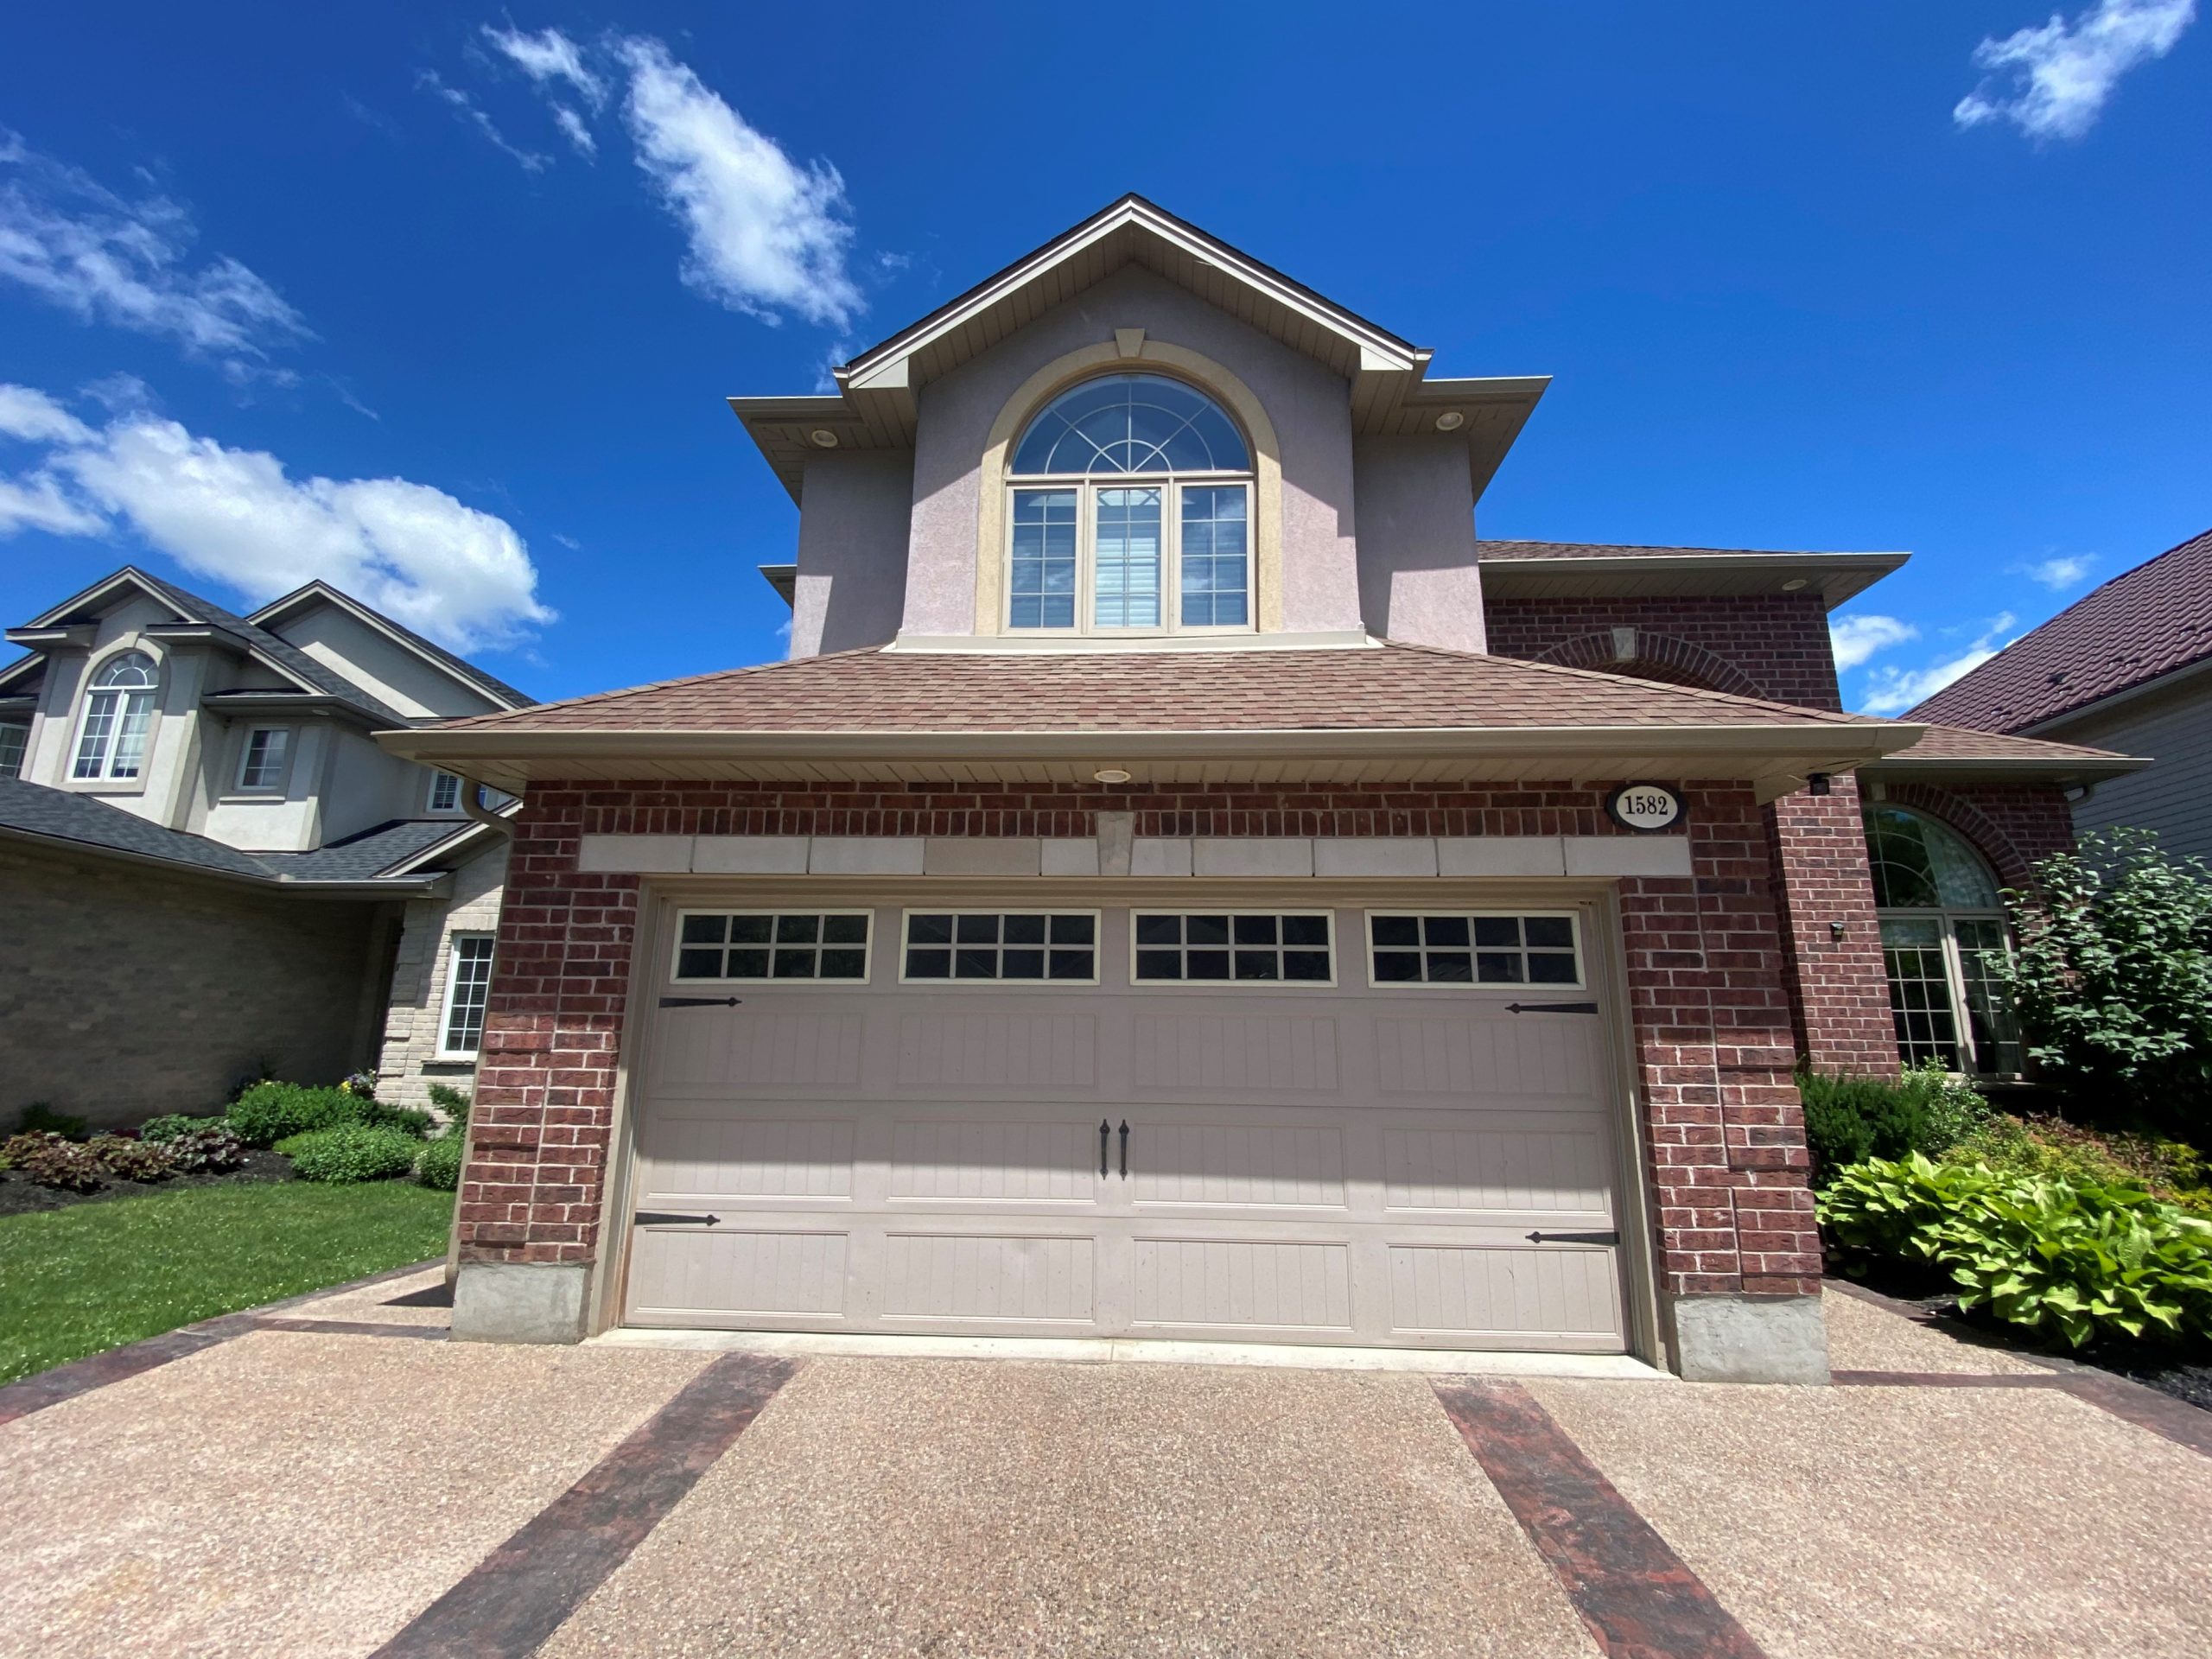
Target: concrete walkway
(333, 1478)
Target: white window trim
(246, 758)
(1954, 974)
(868, 948)
(23, 753)
(453, 941)
(1097, 946)
(460, 807)
(1171, 487)
(1487, 988)
(120, 783)
(1242, 986)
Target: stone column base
(516, 1302)
(1747, 1338)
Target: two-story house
(1183, 885)
(210, 870)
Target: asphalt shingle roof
(1393, 688)
(1486, 550)
(2149, 621)
(1964, 743)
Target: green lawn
(93, 1277)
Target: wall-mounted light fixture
(1820, 783)
(1835, 931)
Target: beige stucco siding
(1418, 579)
(1308, 404)
(852, 551)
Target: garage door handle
(1105, 1130)
(1575, 1238)
(1551, 1008)
(673, 1219)
(1125, 1148)
(698, 1002)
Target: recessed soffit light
(1111, 775)
(1450, 421)
(822, 438)
(1793, 584)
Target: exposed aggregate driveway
(333, 1478)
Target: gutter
(421, 887)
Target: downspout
(472, 805)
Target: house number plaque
(1645, 808)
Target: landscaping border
(50, 1388)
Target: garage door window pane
(771, 945)
(1250, 947)
(995, 945)
(1466, 949)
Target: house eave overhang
(1774, 759)
(1996, 769)
(254, 705)
(1832, 577)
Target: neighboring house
(1183, 885)
(2126, 667)
(210, 869)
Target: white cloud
(75, 243)
(766, 235)
(1857, 637)
(31, 416)
(572, 124)
(549, 56)
(2062, 570)
(1892, 690)
(2052, 82)
(466, 109)
(235, 517)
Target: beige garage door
(1308, 1124)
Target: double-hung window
(469, 993)
(1130, 513)
(12, 741)
(260, 766)
(111, 741)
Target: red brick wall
(1839, 990)
(2014, 826)
(1711, 1020)
(1778, 643)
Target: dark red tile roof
(2154, 619)
(1388, 688)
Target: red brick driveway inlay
(524, 1591)
(1639, 1599)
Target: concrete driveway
(333, 1478)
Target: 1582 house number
(1646, 808)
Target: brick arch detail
(1642, 654)
(1998, 849)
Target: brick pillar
(1839, 991)
(1739, 1253)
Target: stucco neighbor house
(210, 871)
(2127, 666)
(1184, 885)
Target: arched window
(1942, 941)
(1131, 513)
(118, 710)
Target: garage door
(1389, 1126)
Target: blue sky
(442, 305)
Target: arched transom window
(111, 742)
(1943, 939)
(1131, 513)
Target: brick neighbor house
(209, 869)
(1184, 885)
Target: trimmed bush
(131, 1160)
(354, 1152)
(2066, 1260)
(439, 1165)
(270, 1112)
(407, 1120)
(1849, 1120)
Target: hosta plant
(2069, 1260)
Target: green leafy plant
(454, 1102)
(1849, 1120)
(2043, 1145)
(131, 1160)
(213, 1150)
(2113, 979)
(354, 1152)
(438, 1166)
(170, 1127)
(39, 1118)
(2066, 1260)
(270, 1112)
(49, 1160)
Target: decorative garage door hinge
(672, 1218)
(1575, 1238)
(699, 1001)
(1551, 1008)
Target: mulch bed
(19, 1196)
(2187, 1381)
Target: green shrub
(2040, 1145)
(39, 1118)
(408, 1119)
(354, 1152)
(210, 1151)
(270, 1112)
(50, 1161)
(1849, 1120)
(453, 1103)
(438, 1166)
(2058, 1257)
(169, 1127)
(131, 1160)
